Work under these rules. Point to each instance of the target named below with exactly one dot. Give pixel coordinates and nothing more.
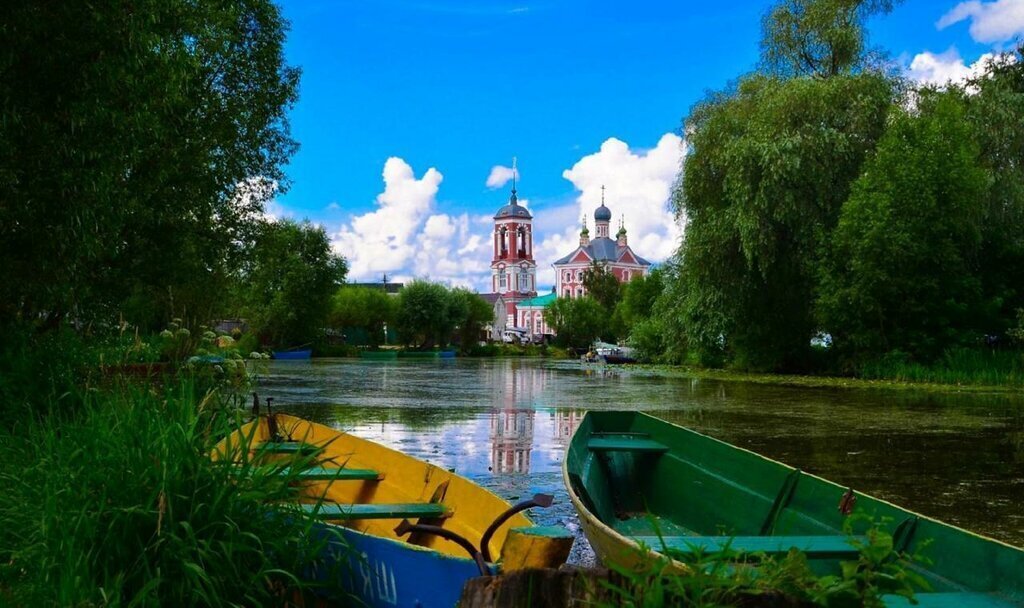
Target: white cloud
(996, 21)
(407, 239)
(382, 240)
(944, 68)
(501, 175)
(639, 184)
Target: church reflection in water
(518, 398)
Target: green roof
(540, 301)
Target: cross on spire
(602, 194)
(514, 172)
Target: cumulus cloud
(995, 21)
(945, 68)
(638, 186)
(406, 238)
(501, 175)
(382, 240)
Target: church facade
(514, 270)
(615, 255)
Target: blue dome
(514, 209)
(603, 214)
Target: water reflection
(507, 424)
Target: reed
(963, 366)
(120, 504)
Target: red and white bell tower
(513, 270)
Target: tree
(364, 309)
(424, 317)
(288, 282)
(576, 321)
(996, 113)
(602, 285)
(903, 269)
(639, 296)
(769, 168)
(471, 313)
(821, 38)
(128, 128)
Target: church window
(502, 281)
(625, 275)
(524, 281)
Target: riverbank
(796, 380)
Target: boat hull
(293, 355)
(633, 477)
(385, 573)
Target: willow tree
(127, 127)
(771, 162)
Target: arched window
(625, 275)
(502, 279)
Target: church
(514, 270)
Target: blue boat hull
(293, 354)
(384, 573)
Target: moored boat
(378, 355)
(293, 355)
(644, 485)
(413, 532)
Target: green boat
(378, 355)
(641, 484)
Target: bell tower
(513, 269)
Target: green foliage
(639, 296)
(126, 134)
(576, 321)
(122, 505)
(471, 313)
(996, 113)
(770, 166)
(960, 366)
(821, 38)
(288, 281)
(424, 316)
(602, 285)
(431, 314)
(728, 578)
(902, 272)
(364, 308)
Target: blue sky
(406, 107)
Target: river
(505, 423)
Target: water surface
(506, 422)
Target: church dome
(603, 214)
(513, 209)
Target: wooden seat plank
(956, 599)
(330, 511)
(289, 447)
(334, 474)
(626, 444)
(818, 547)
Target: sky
(411, 111)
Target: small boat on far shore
(293, 355)
(642, 486)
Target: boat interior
(674, 490)
(364, 486)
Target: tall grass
(119, 504)
(974, 366)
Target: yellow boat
(418, 531)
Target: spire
(602, 195)
(514, 200)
